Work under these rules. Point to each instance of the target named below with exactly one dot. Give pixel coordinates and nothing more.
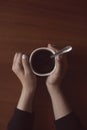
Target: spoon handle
(62, 51)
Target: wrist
(26, 101)
(54, 89)
(28, 89)
(28, 93)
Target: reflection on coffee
(41, 61)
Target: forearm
(21, 120)
(69, 122)
(60, 106)
(23, 116)
(26, 100)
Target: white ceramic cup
(34, 52)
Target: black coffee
(41, 61)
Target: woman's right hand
(54, 80)
(60, 106)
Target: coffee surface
(41, 61)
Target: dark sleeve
(21, 120)
(69, 122)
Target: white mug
(38, 52)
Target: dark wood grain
(28, 24)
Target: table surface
(29, 24)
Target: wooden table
(29, 24)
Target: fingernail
(24, 56)
(49, 44)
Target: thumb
(53, 48)
(25, 63)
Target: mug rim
(35, 50)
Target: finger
(15, 56)
(62, 63)
(58, 65)
(19, 59)
(25, 63)
(54, 49)
(14, 61)
(61, 58)
(17, 66)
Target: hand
(54, 80)
(23, 71)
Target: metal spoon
(62, 51)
